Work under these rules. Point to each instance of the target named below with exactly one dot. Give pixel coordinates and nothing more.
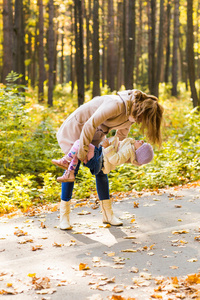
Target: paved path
(160, 237)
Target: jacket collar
(125, 97)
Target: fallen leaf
(156, 296)
(32, 275)
(46, 291)
(134, 270)
(110, 254)
(192, 260)
(129, 237)
(42, 225)
(136, 204)
(20, 232)
(129, 250)
(37, 247)
(84, 212)
(118, 289)
(180, 231)
(57, 245)
(193, 279)
(83, 266)
(173, 267)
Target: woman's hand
(105, 143)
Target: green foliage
(28, 143)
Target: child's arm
(117, 158)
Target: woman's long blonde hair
(147, 111)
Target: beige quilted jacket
(118, 153)
(94, 119)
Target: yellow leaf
(132, 220)
(151, 247)
(9, 284)
(174, 280)
(193, 279)
(83, 267)
(32, 275)
(129, 250)
(111, 254)
(136, 204)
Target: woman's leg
(105, 201)
(66, 194)
(67, 187)
(102, 185)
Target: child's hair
(147, 111)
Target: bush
(28, 143)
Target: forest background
(56, 55)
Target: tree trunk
(41, 78)
(103, 76)
(79, 51)
(131, 45)
(88, 42)
(96, 71)
(125, 41)
(190, 53)
(139, 46)
(168, 42)
(62, 57)
(119, 46)
(151, 69)
(19, 44)
(175, 49)
(7, 39)
(110, 53)
(50, 53)
(160, 48)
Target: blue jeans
(102, 186)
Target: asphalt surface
(159, 239)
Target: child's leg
(65, 161)
(73, 151)
(73, 154)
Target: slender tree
(190, 53)
(160, 48)
(131, 44)
(79, 50)
(41, 78)
(7, 39)
(19, 44)
(139, 44)
(152, 47)
(168, 42)
(119, 45)
(110, 52)
(88, 43)
(72, 73)
(175, 49)
(96, 71)
(50, 53)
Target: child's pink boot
(62, 163)
(68, 176)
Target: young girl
(110, 154)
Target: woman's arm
(106, 110)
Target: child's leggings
(73, 154)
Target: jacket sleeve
(122, 133)
(117, 158)
(106, 110)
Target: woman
(91, 122)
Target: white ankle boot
(108, 215)
(64, 215)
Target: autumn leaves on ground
(149, 257)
